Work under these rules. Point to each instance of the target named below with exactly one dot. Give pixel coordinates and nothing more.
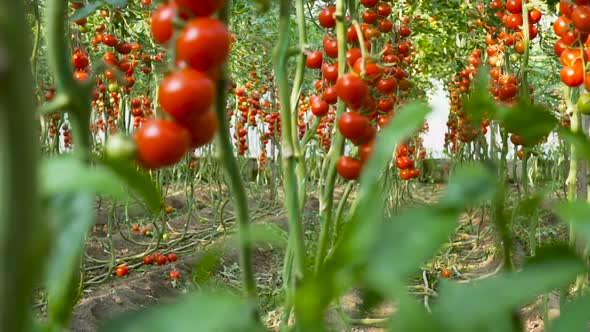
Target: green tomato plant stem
(23, 231)
(236, 185)
(288, 153)
(74, 95)
(328, 174)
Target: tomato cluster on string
(573, 47)
(188, 93)
(460, 126)
(373, 86)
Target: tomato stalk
(23, 231)
(328, 173)
(288, 153)
(236, 185)
(295, 94)
(76, 96)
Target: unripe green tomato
(84, 29)
(165, 236)
(584, 104)
(120, 147)
(113, 87)
(514, 57)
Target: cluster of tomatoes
(158, 258)
(187, 94)
(573, 46)
(250, 107)
(372, 87)
(460, 126)
(405, 163)
(505, 86)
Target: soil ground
(472, 255)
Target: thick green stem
(329, 167)
(21, 224)
(77, 95)
(572, 178)
(288, 157)
(236, 185)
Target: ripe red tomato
(202, 129)
(352, 55)
(172, 257)
(330, 95)
(314, 60)
(369, 3)
(405, 31)
(161, 143)
(387, 85)
(404, 162)
(318, 106)
(573, 76)
(561, 25)
(186, 94)
(201, 7)
(581, 18)
(110, 59)
(135, 228)
(513, 21)
(161, 259)
(174, 275)
(326, 18)
(330, 46)
(110, 40)
(405, 174)
(535, 16)
(203, 43)
(146, 3)
(385, 25)
(369, 16)
(80, 60)
(514, 6)
(365, 151)
(148, 260)
(572, 55)
(121, 270)
(384, 9)
(445, 273)
(353, 126)
(330, 72)
(349, 168)
(372, 70)
(124, 48)
(80, 75)
(352, 90)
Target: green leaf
(531, 122)
(577, 214)
(218, 311)
(421, 232)
(469, 307)
(68, 174)
(479, 104)
(404, 124)
(71, 216)
(579, 140)
(469, 185)
(87, 10)
(573, 316)
(117, 3)
(136, 180)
